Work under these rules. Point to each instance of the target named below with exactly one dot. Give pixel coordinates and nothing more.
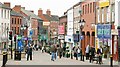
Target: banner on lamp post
(100, 31)
(61, 29)
(107, 31)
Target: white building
(4, 24)
(69, 37)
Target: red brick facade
(88, 15)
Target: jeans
(29, 55)
(53, 56)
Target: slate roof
(28, 13)
(52, 17)
(13, 13)
(3, 6)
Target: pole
(11, 50)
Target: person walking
(87, 52)
(92, 53)
(99, 53)
(78, 51)
(52, 52)
(29, 53)
(60, 52)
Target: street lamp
(82, 23)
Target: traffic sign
(81, 37)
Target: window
(2, 13)
(98, 16)
(2, 26)
(15, 20)
(15, 30)
(18, 20)
(18, 31)
(93, 6)
(5, 14)
(83, 9)
(108, 13)
(12, 28)
(8, 14)
(5, 26)
(12, 20)
(113, 13)
(90, 7)
(102, 15)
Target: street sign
(81, 37)
(31, 32)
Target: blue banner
(107, 31)
(100, 31)
(20, 45)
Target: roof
(52, 17)
(3, 6)
(13, 13)
(30, 14)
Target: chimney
(23, 7)
(40, 12)
(48, 12)
(7, 4)
(17, 8)
(31, 11)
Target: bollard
(71, 56)
(4, 58)
(111, 61)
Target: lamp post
(82, 23)
(22, 30)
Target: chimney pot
(31, 11)
(23, 7)
(48, 12)
(40, 12)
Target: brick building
(16, 21)
(50, 23)
(88, 14)
(31, 22)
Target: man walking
(52, 52)
(29, 53)
(87, 52)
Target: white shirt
(78, 50)
(87, 49)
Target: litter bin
(17, 55)
(4, 58)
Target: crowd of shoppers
(76, 52)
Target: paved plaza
(44, 59)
